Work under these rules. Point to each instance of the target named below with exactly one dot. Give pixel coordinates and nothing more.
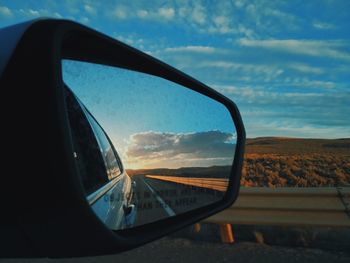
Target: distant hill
(209, 172)
(280, 162)
(285, 146)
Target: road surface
(159, 199)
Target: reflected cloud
(162, 149)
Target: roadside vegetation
(290, 162)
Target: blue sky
(285, 63)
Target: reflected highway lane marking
(169, 211)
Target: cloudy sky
(285, 63)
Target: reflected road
(159, 197)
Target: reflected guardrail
(209, 183)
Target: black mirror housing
(44, 210)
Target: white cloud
(272, 113)
(315, 48)
(32, 12)
(239, 3)
(222, 24)
(166, 12)
(120, 12)
(322, 25)
(246, 32)
(270, 71)
(206, 148)
(5, 12)
(295, 129)
(84, 20)
(89, 9)
(190, 14)
(306, 83)
(194, 14)
(220, 17)
(156, 14)
(132, 40)
(142, 13)
(268, 17)
(287, 18)
(219, 64)
(197, 49)
(264, 96)
(199, 14)
(304, 68)
(57, 15)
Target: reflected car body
(112, 203)
(109, 189)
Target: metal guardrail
(285, 206)
(288, 206)
(318, 206)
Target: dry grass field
(291, 162)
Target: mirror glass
(146, 148)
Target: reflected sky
(151, 121)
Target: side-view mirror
(117, 148)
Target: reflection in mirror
(176, 145)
